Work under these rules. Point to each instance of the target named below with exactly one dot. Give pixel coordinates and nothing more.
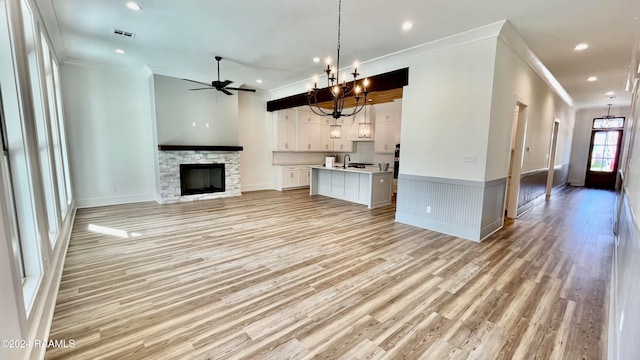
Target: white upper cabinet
(308, 131)
(326, 143)
(285, 130)
(387, 123)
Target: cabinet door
(305, 174)
(290, 177)
(308, 132)
(286, 132)
(344, 144)
(326, 143)
(385, 137)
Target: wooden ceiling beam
(392, 80)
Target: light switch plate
(470, 158)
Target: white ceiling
(276, 40)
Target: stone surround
(169, 173)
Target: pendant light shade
(335, 132)
(364, 131)
(364, 127)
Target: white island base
(363, 186)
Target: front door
(604, 153)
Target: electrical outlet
(470, 158)
(428, 209)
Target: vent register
(125, 34)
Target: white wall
(582, 140)
(515, 81)
(108, 120)
(214, 114)
(445, 112)
(624, 317)
(256, 138)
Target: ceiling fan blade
(197, 82)
(241, 89)
(225, 83)
(207, 88)
(226, 92)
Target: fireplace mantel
(198, 148)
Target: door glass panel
(608, 123)
(599, 138)
(604, 151)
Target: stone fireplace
(213, 171)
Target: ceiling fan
(219, 85)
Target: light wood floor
(273, 275)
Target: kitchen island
(367, 186)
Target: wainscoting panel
(449, 206)
(533, 186)
(561, 175)
(493, 207)
(624, 333)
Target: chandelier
(339, 91)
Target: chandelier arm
(319, 111)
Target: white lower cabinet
(291, 177)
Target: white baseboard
(115, 200)
(257, 187)
(47, 306)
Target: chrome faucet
(344, 160)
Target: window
(63, 135)
(55, 133)
(9, 197)
(608, 123)
(605, 144)
(41, 116)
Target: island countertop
(367, 170)
(368, 186)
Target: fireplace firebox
(201, 178)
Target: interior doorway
(552, 157)
(604, 152)
(518, 135)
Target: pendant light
(339, 91)
(364, 127)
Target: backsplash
(363, 153)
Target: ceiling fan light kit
(222, 86)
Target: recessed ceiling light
(259, 81)
(407, 25)
(316, 59)
(133, 6)
(581, 46)
(592, 78)
(609, 93)
(120, 51)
